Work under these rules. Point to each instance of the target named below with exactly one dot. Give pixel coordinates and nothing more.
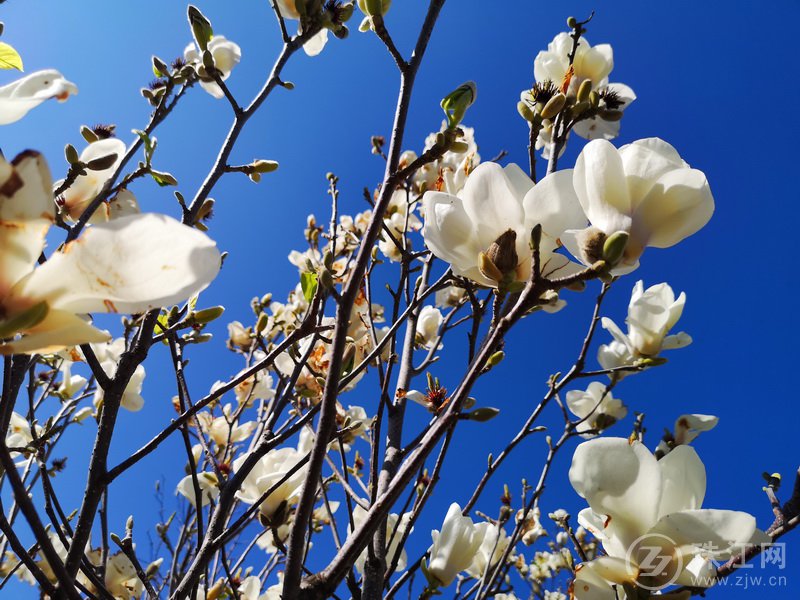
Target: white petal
(602, 189)
(60, 329)
(619, 479)
(26, 213)
(130, 265)
(553, 204)
(448, 231)
(719, 532)
(491, 204)
(18, 97)
(683, 478)
(316, 43)
(679, 204)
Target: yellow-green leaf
(9, 58)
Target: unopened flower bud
(264, 166)
(207, 315)
(261, 324)
(614, 247)
(208, 60)
(456, 103)
(102, 163)
(572, 22)
(611, 115)
(341, 32)
(89, 135)
(459, 147)
(160, 68)
(525, 111)
(584, 90)
(495, 359)
(373, 8)
(554, 106)
(503, 252)
(483, 414)
(71, 154)
(201, 27)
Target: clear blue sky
(716, 81)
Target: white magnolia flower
(643, 189)
(396, 527)
(652, 313)
(592, 63)
(597, 408)
(208, 484)
(399, 219)
(449, 173)
(109, 354)
(449, 296)
(493, 216)
(494, 542)
(317, 42)
(20, 96)
(121, 579)
(454, 548)
(637, 503)
(70, 384)
(532, 528)
(131, 264)
(226, 55)
(77, 197)
(688, 427)
(269, 470)
(428, 324)
(225, 429)
(19, 433)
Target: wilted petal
(129, 265)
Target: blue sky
(716, 82)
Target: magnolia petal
(518, 180)
(26, 213)
(688, 427)
(683, 477)
(490, 202)
(619, 479)
(645, 161)
(553, 204)
(613, 569)
(717, 533)
(448, 231)
(22, 95)
(131, 265)
(678, 340)
(601, 186)
(86, 187)
(59, 329)
(589, 585)
(679, 204)
(316, 43)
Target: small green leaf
(149, 143)
(162, 178)
(308, 283)
(9, 58)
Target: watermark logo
(659, 566)
(651, 555)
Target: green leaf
(150, 144)
(9, 58)
(308, 283)
(162, 178)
